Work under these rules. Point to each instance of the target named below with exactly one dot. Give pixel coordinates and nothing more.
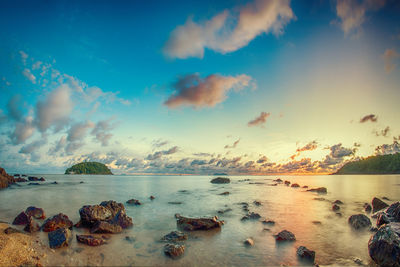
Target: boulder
(20, 180)
(33, 179)
(37, 213)
(287, 183)
(106, 227)
(220, 180)
(113, 206)
(192, 224)
(359, 221)
(32, 226)
(319, 190)
(174, 236)
(285, 236)
(384, 245)
(249, 242)
(367, 207)
(175, 202)
(56, 222)
(122, 220)
(378, 205)
(335, 207)
(393, 212)
(251, 216)
(305, 186)
(174, 250)
(337, 202)
(90, 214)
(42, 179)
(295, 185)
(59, 238)
(90, 240)
(134, 202)
(278, 180)
(382, 219)
(306, 254)
(21, 219)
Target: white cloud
(24, 56)
(28, 74)
(78, 131)
(101, 131)
(23, 130)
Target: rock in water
(338, 202)
(335, 207)
(320, 190)
(306, 254)
(192, 224)
(359, 221)
(295, 185)
(5, 179)
(90, 240)
(249, 242)
(285, 236)
(134, 202)
(382, 219)
(175, 236)
(32, 226)
(152, 197)
(90, 214)
(57, 221)
(21, 219)
(174, 250)
(394, 212)
(59, 238)
(122, 220)
(378, 205)
(37, 213)
(384, 245)
(10, 230)
(106, 227)
(367, 207)
(287, 183)
(220, 180)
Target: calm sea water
(293, 209)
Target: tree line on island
(381, 164)
(89, 168)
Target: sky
(252, 87)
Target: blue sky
(170, 87)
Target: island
(381, 164)
(89, 168)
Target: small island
(89, 168)
(382, 164)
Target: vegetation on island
(89, 168)
(382, 164)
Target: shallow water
(293, 209)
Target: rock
(378, 205)
(20, 180)
(122, 220)
(42, 179)
(382, 219)
(106, 227)
(81, 182)
(306, 254)
(92, 213)
(59, 238)
(319, 190)
(192, 224)
(316, 222)
(358, 261)
(55, 182)
(367, 207)
(251, 216)
(175, 236)
(285, 236)
(337, 202)
(305, 186)
(249, 242)
(359, 221)
(10, 230)
(319, 198)
(278, 180)
(174, 250)
(32, 226)
(113, 206)
(384, 245)
(287, 183)
(257, 203)
(56, 222)
(394, 212)
(224, 211)
(5, 179)
(130, 239)
(335, 207)
(220, 180)
(295, 185)
(175, 202)
(90, 240)
(134, 202)
(373, 229)
(37, 213)
(33, 178)
(152, 197)
(339, 214)
(268, 222)
(386, 198)
(21, 219)
(224, 193)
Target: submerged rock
(224, 211)
(106, 227)
(10, 230)
(285, 236)
(279, 180)
(251, 216)
(320, 190)
(192, 224)
(152, 197)
(393, 212)
(90, 240)
(21, 219)
(257, 203)
(319, 198)
(335, 207)
(134, 202)
(20, 180)
(268, 222)
(338, 202)
(367, 207)
(175, 236)
(33, 178)
(37, 213)
(59, 238)
(295, 185)
(32, 226)
(384, 245)
(224, 193)
(175, 202)
(378, 205)
(249, 242)
(174, 250)
(287, 183)
(220, 180)
(304, 186)
(56, 222)
(359, 221)
(306, 254)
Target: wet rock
(278, 180)
(393, 212)
(273, 184)
(251, 216)
(33, 178)
(306, 254)
(378, 205)
(382, 219)
(59, 238)
(32, 226)
(113, 206)
(319, 198)
(174, 250)
(257, 203)
(224, 193)
(367, 208)
(386, 198)
(220, 180)
(316, 222)
(358, 261)
(384, 245)
(42, 179)
(37, 213)
(249, 242)
(287, 183)
(81, 182)
(337, 202)
(335, 207)
(175, 236)
(56, 222)
(339, 214)
(175, 202)
(122, 220)
(33, 184)
(130, 239)
(55, 182)
(270, 222)
(152, 197)
(192, 224)
(267, 229)
(21, 219)
(90, 240)
(134, 202)
(92, 213)
(10, 230)
(373, 229)
(20, 180)
(285, 236)
(106, 227)
(78, 224)
(319, 190)
(304, 186)
(224, 211)
(295, 185)
(359, 221)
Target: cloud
(55, 109)
(59, 146)
(71, 147)
(310, 146)
(388, 148)
(33, 147)
(233, 145)
(383, 132)
(13, 108)
(28, 74)
(352, 13)
(388, 57)
(159, 154)
(191, 90)
(23, 130)
(229, 31)
(259, 120)
(370, 117)
(37, 65)
(338, 151)
(159, 143)
(262, 160)
(78, 131)
(24, 56)
(101, 131)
